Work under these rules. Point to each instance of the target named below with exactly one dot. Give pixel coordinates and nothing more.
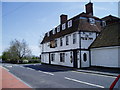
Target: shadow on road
(49, 68)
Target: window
(67, 40)
(61, 42)
(52, 57)
(52, 44)
(103, 23)
(74, 38)
(62, 57)
(70, 23)
(85, 57)
(53, 31)
(58, 29)
(55, 42)
(63, 26)
(92, 20)
(48, 34)
(71, 59)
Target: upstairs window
(61, 42)
(67, 40)
(53, 31)
(70, 23)
(48, 34)
(103, 23)
(64, 26)
(91, 20)
(74, 38)
(58, 29)
(62, 57)
(55, 42)
(52, 44)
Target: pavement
(8, 80)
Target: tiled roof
(78, 24)
(110, 36)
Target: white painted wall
(105, 56)
(46, 47)
(45, 58)
(86, 43)
(67, 59)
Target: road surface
(45, 76)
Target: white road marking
(46, 73)
(30, 68)
(8, 66)
(84, 82)
(95, 74)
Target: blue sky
(31, 20)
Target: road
(45, 76)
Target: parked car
(116, 84)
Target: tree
(17, 51)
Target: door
(75, 59)
(85, 59)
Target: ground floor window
(52, 57)
(85, 57)
(62, 57)
(71, 58)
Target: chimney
(63, 18)
(89, 8)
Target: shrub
(25, 61)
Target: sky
(31, 20)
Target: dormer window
(103, 23)
(70, 23)
(53, 31)
(63, 26)
(58, 28)
(48, 34)
(91, 20)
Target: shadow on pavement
(103, 69)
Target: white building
(68, 43)
(105, 50)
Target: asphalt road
(45, 76)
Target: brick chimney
(63, 18)
(89, 8)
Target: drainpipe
(80, 47)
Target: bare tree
(18, 50)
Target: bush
(25, 61)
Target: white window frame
(74, 38)
(67, 40)
(58, 28)
(64, 26)
(48, 34)
(69, 23)
(91, 20)
(53, 31)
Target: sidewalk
(101, 70)
(7, 80)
